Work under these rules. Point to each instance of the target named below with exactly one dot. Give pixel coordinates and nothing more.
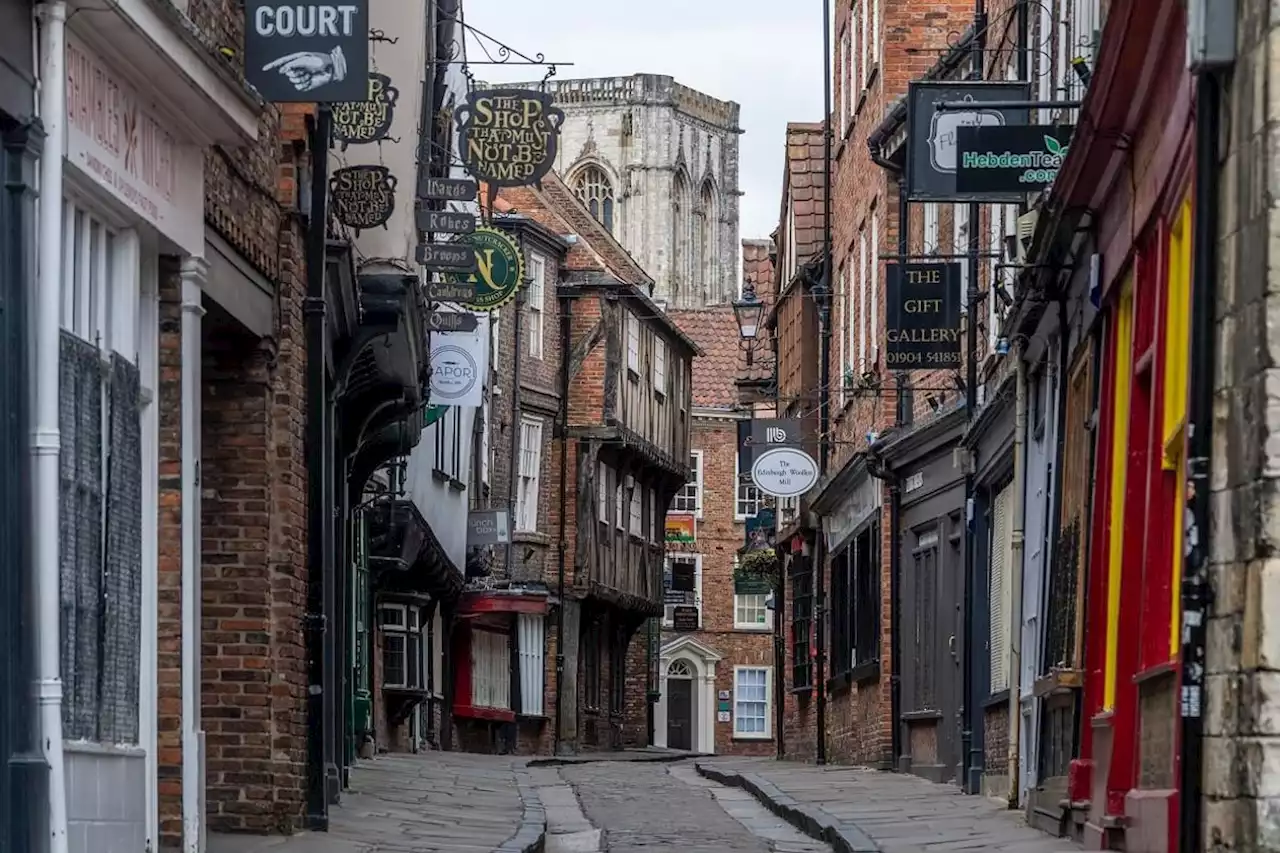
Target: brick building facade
(252, 491)
(727, 664)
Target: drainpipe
(566, 339)
(1015, 564)
(46, 441)
(194, 271)
(514, 459)
(1195, 592)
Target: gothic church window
(707, 242)
(595, 190)
(682, 250)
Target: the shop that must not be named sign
(922, 316)
(499, 268)
(997, 161)
(508, 137)
(311, 52)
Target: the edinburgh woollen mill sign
(922, 316)
(316, 52)
(508, 137)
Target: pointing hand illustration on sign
(308, 70)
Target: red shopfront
(1131, 165)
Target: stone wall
(1242, 714)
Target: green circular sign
(499, 268)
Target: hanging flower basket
(758, 566)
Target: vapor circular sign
(784, 472)
(453, 372)
(499, 268)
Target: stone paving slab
(651, 753)
(857, 810)
(437, 802)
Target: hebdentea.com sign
(1016, 159)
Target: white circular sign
(453, 372)
(784, 472)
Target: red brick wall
(253, 484)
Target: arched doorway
(680, 704)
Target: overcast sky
(765, 56)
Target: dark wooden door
(951, 653)
(679, 713)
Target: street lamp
(748, 310)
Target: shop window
(490, 669)
(100, 489)
(683, 586)
(633, 344)
(634, 514)
(749, 499)
(535, 306)
(801, 621)
(402, 646)
(751, 706)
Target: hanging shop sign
(761, 434)
(444, 221)
(784, 472)
(488, 527)
(681, 529)
(447, 257)
(933, 154)
(1000, 160)
(446, 189)
(363, 196)
(684, 618)
(761, 528)
(459, 361)
(362, 122)
(316, 52)
(450, 291)
(508, 137)
(499, 268)
(451, 321)
(922, 315)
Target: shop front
(930, 594)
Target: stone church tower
(657, 163)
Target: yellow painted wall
(1119, 462)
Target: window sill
(531, 537)
(995, 700)
(476, 712)
(920, 716)
(633, 374)
(752, 628)
(802, 692)
(864, 672)
(457, 485)
(737, 738)
(440, 476)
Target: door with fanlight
(680, 706)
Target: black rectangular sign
(684, 618)
(451, 291)
(997, 161)
(447, 257)
(922, 316)
(447, 189)
(932, 151)
(310, 52)
(451, 321)
(444, 221)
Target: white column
(194, 272)
(146, 271)
(45, 301)
(706, 741)
(660, 708)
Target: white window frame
(876, 46)
(602, 489)
(633, 343)
(960, 244)
(750, 489)
(535, 305)
(531, 642)
(932, 232)
(767, 734)
(846, 83)
(865, 56)
(529, 474)
(862, 299)
(409, 626)
(851, 315)
(659, 367)
(695, 456)
(656, 533)
(740, 602)
(668, 610)
(873, 261)
(634, 513)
